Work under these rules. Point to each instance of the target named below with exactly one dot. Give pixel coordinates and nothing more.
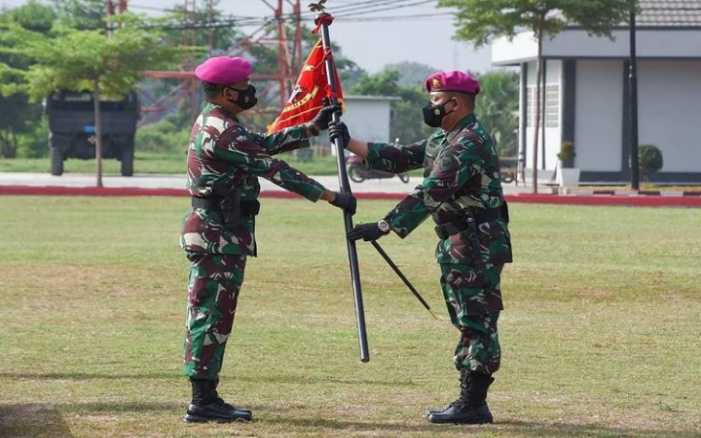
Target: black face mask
(247, 97)
(434, 114)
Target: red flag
(309, 92)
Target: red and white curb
(646, 199)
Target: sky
(371, 45)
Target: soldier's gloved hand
(339, 130)
(345, 201)
(323, 118)
(367, 232)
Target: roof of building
(667, 29)
(669, 13)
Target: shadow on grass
(119, 407)
(535, 429)
(279, 379)
(87, 376)
(42, 420)
(32, 420)
(596, 430)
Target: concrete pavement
(393, 185)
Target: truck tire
(127, 167)
(56, 161)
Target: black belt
(247, 208)
(488, 214)
(208, 203)
(461, 223)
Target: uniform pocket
(495, 239)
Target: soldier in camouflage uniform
(462, 192)
(224, 162)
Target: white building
(368, 117)
(586, 92)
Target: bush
(649, 160)
(162, 136)
(35, 142)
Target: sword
(401, 275)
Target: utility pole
(289, 59)
(190, 39)
(109, 11)
(297, 46)
(283, 56)
(633, 104)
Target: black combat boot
(464, 384)
(471, 407)
(208, 406)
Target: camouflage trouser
(474, 302)
(212, 293)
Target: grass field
(600, 336)
(152, 163)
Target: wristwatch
(383, 226)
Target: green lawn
(600, 336)
(153, 163)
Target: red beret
(224, 70)
(452, 81)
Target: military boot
(215, 394)
(471, 407)
(464, 384)
(208, 406)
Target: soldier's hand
(345, 201)
(323, 118)
(339, 130)
(367, 232)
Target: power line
(408, 5)
(351, 8)
(397, 17)
(347, 19)
(366, 6)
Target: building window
(552, 106)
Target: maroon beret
(452, 81)
(224, 70)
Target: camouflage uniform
(461, 190)
(224, 162)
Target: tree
(179, 22)
(497, 109)
(87, 60)
(411, 73)
(16, 110)
(479, 21)
(81, 14)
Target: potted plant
(568, 175)
(650, 160)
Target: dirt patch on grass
(32, 420)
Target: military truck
(72, 129)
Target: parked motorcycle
(507, 169)
(359, 172)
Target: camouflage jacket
(461, 178)
(222, 157)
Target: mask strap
(446, 102)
